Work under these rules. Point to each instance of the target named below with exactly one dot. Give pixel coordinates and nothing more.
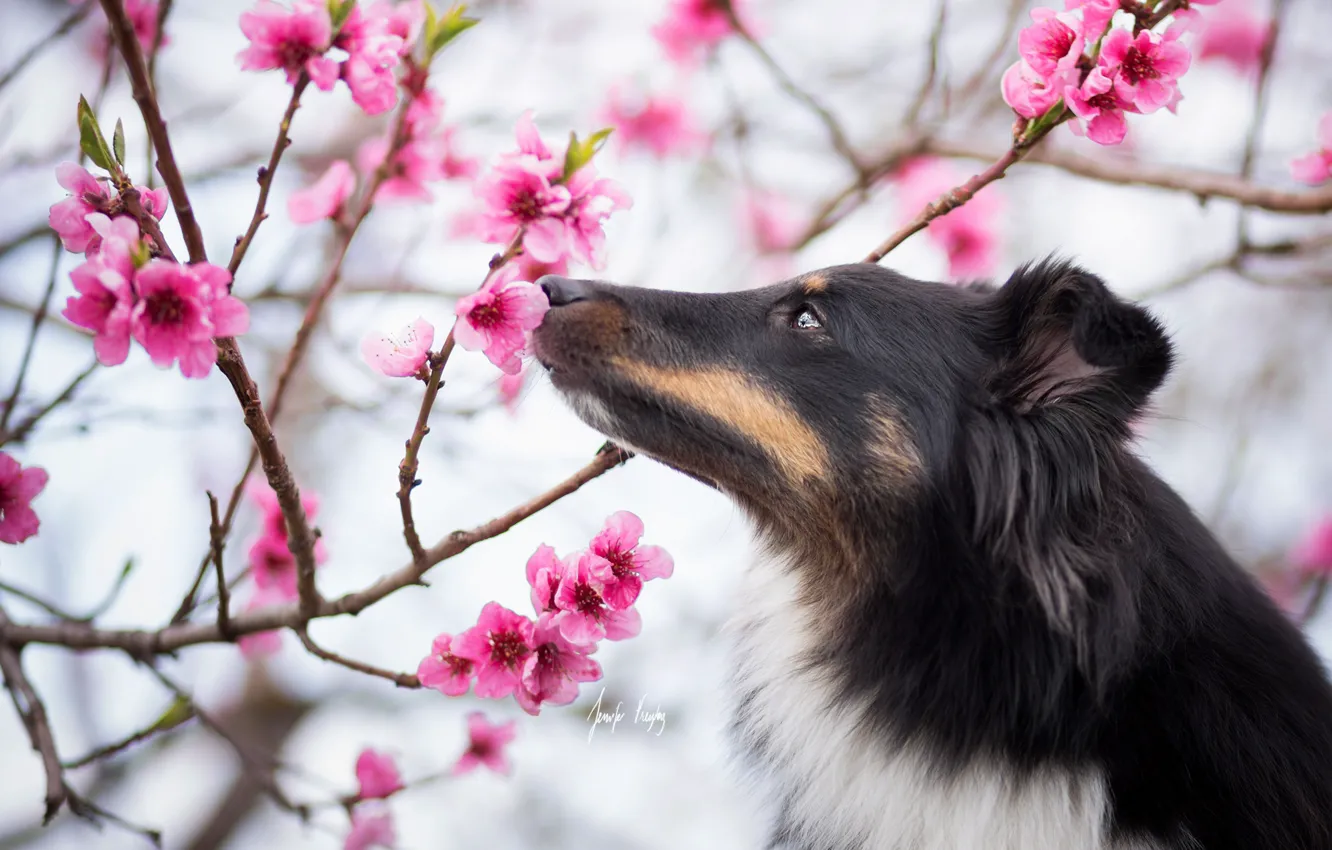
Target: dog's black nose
(563, 290)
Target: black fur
(1035, 594)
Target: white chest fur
(839, 785)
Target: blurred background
(1241, 429)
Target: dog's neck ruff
(835, 780)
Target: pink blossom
(485, 744)
(554, 669)
(261, 644)
(444, 671)
(772, 224)
(18, 487)
(271, 561)
(1047, 42)
(584, 616)
(401, 354)
(661, 124)
(631, 564)
(1314, 554)
(408, 171)
(371, 826)
(1099, 102)
(294, 40)
(510, 387)
(181, 309)
(529, 268)
(499, 644)
(966, 234)
(1234, 34)
(1149, 67)
(1316, 167)
(592, 201)
(693, 28)
(498, 318)
(142, 15)
(518, 193)
(1027, 92)
(377, 775)
(88, 195)
(325, 197)
(105, 296)
(544, 570)
(1096, 15)
(372, 54)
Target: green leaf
(91, 141)
(177, 713)
(339, 12)
(446, 29)
(579, 153)
(118, 142)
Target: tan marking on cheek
(891, 449)
(815, 283)
(747, 408)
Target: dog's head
(838, 406)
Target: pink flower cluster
(174, 311)
(1316, 167)
(661, 124)
(693, 28)
(498, 319)
(378, 779)
(579, 600)
(967, 233)
(561, 215)
(1133, 73)
(88, 195)
(427, 155)
(272, 564)
(297, 40)
(19, 485)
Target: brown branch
(837, 208)
(69, 23)
(950, 201)
(1259, 111)
(216, 542)
(402, 680)
(266, 174)
(300, 537)
(144, 644)
(33, 714)
(1201, 184)
(407, 469)
(784, 81)
(24, 428)
(142, 89)
(38, 317)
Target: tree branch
(144, 645)
(402, 680)
(33, 714)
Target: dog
(978, 620)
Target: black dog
(980, 621)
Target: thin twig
(144, 645)
(69, 23)
(259, 767)
(24, 428)
(402, 680)
(835, 132)
(33, 714)
(116, 747)
(407, 469)
(38, 317)
(1201, 184)
(951, 200)
(216, 542)
(142, 89)
(931, 67)
(1259, 113)
(34, 599)
(163, 10)
(266, 174)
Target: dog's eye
(805, 320)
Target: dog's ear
(1060, 337)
